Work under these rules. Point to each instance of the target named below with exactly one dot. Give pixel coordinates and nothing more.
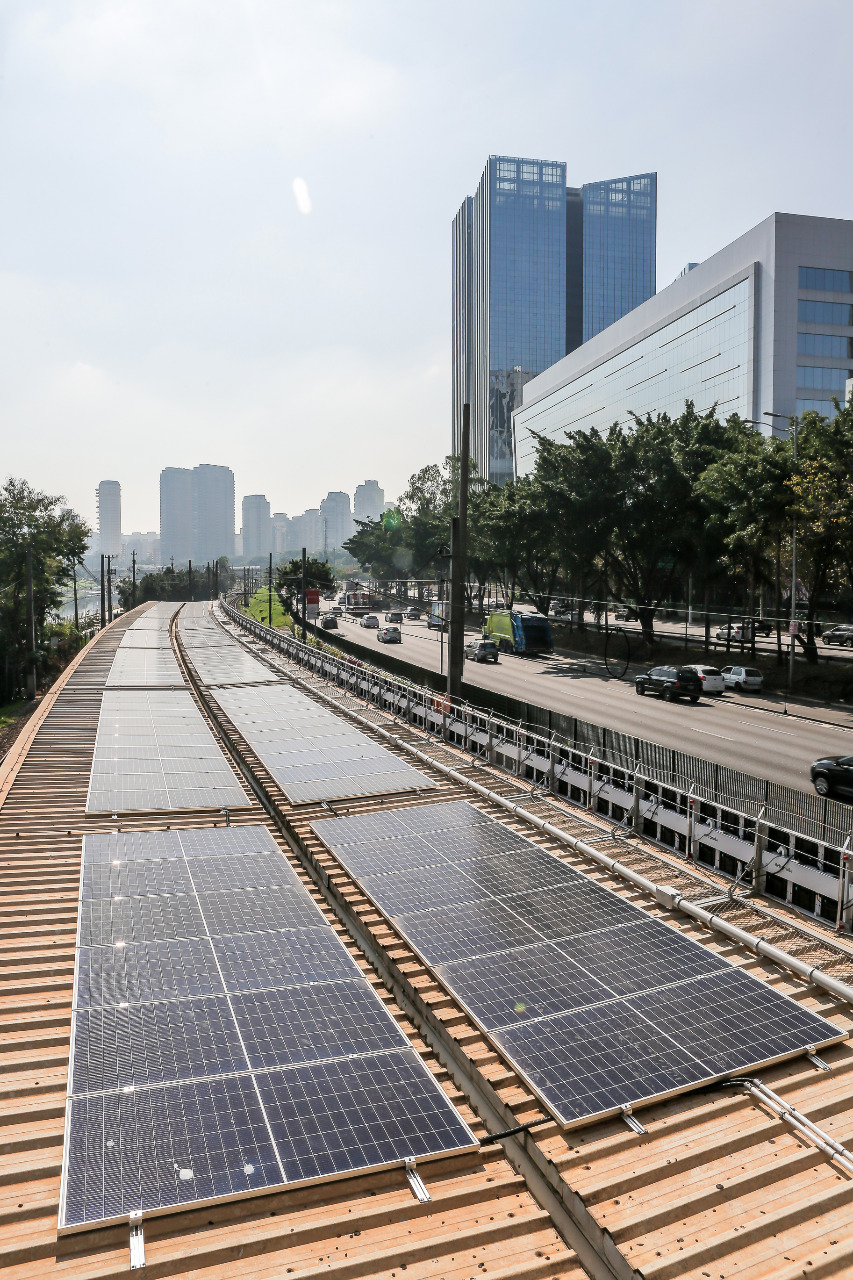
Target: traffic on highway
(734, 726)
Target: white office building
(257, 527)
(764, 326)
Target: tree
(58, 538)
(288, 580)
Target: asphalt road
(744, 731)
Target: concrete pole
(302, 599)
(103, 595)
(133, 563)
(459, 567)
(110, 588)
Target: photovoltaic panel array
(154, 751)
(217, 657)
(224, 1041)
(312, 753)
(597, 1004)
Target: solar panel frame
(140, 1141)
(601, 918)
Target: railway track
(718, 1186)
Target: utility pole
(110, 588)
(133, 564)
(208, 579)
(216, 579)
(76, 613)
(302, 602)
(270, 611)
(103, 596)
(190, 572)
(31, 629)
(459, 567)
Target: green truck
(515, 632)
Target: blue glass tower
(619, 248)
(516, 298)
(537, 269)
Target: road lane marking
(708, 734)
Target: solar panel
(334, 1118)
(279, 722)
(152, 1043)
(154, 750)
(211, 997)
(593, 1002)
(508, 987)
(289, 1025)
(156, 1149)
(290, 958)
(403, 854)
(146, 971)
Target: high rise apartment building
(109, 517)
(280, 529)
(335, 520)
(368, 501)
(212, 512)
(257, 527)
(176, 514)
(535, 265)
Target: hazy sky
(225, 224)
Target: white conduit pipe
(662, 894)
(802, 1124)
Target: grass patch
(259, 609)
(13, 711)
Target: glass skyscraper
(619, 249)
(527, 251)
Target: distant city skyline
(166, 298)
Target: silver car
(370, 621)
(713, 680)
(743, 679)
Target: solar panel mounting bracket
(416, 1182)
(137, 1242)
(631, 1120)
(811, 1054)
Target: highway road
(741, 730)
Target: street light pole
(793, 628)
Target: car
(481, 651)
(336, 611)
(413, 614)
(712, 679)
(329, 622)
(395, 615)
(670, 683)
(743, 678)
(740, 631)
(626, 614)
(833, 775)
(390, 635)
(370, 621)
(841, 634)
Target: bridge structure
(747, 1176)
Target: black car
(481, 651)
(833, 775)
(842, 634)
(670, 683)
(329, 622)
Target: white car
(713, 680)
(743, 678)
(370, 620)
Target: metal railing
(743, 826)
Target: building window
(776, 887)
(506, 169)
(826, 408)
(831, 345)
(528, 172)
(828, 908)
(728, 864)
(824, 312)
(822, 379)
(805, 899)
(825, 280)
(550, 173)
